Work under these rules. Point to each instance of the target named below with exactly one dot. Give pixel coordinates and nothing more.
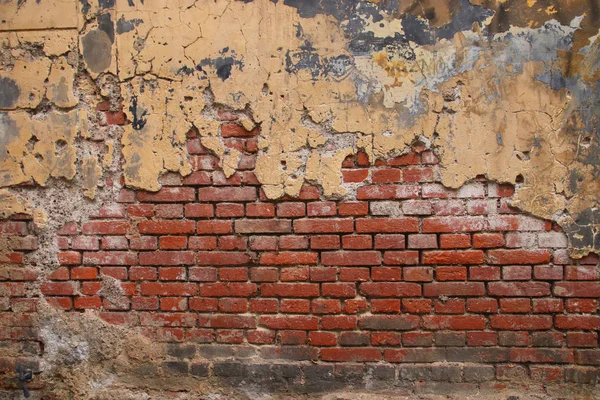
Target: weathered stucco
(504, 90)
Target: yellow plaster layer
(30, 15)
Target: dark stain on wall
(9, 92)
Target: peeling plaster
(506, 92)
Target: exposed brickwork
(217, 271)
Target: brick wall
(407, 282)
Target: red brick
(20, 229)
(325, 306)
(167, 258)
(453, 289)
(351, 258)
(59, 274)
(339, 290)
(449, 207)
(58, 288)
(262, 243)
(482, 305)
(578, 322)
(307, 323)
(291, 210)
(105, 228)
(289, 290)
(323, 274)
(455, 241)
(488, 240)
(453, 322)
(581, 305)
(261, 337)
(385, 339)
(357, 208)
(390, 289)
(260, 210)
(322, 242)
(322, 339)
(422, 241)
(389, 241)
(168, 289)
(295, 306)
(235, 130)
(387, 192)
(197, 178)
(203, 304)
(294, 274)
(385, 306)
(143, 243)
(515, 305)
(231, 194)
(142, 273)
(354, 274)
(289, 258)
(173, 304)
(410, 158)
(166, 227)
(87, 303)
(519, 289)
(110, 258)
(504, 257)
(292, 337)
(357, 242)
(351, 354)
(548, 272)
(198, 210)
(115, 243)
(582, 339)
(546, 373)
(542, 355)
(516, 272)
(386, 175)
(213, 227)
(169, 211)
(202, 243)
(264, 274)
(386, 274)
(521, 322)
(172, 242)
(323, 226)
(321, 209)
(293, 242)
(546, 306)
(354, 175)
(451, 273)
(418, 274)
(232, 243)
(387, 225)
(229, 210)
(69, 258)
(235, 305)
(454, 224)
(401, 258)
(250, 226)
(482, 338)
(355, 306)
(84, 273)
(453, 257)
(233, 274)
(581, 273)
(223, 258)
(449, 306)
(232, 321)
(417, 174)
(484, 273)
(228, 289)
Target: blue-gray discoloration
(127, 25)
(9, 93)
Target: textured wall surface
(253, 198)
